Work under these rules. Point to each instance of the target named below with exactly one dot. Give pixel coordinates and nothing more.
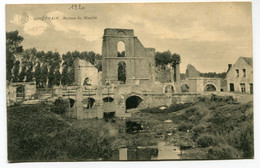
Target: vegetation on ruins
(162, 59)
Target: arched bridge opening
(210, 88)
(133, 102)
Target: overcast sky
(206, 35)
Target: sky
(207, 35)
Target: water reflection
(160, 152)
(167, 152)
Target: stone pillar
(79, 103)
(171, 74)
(177, 76)
(120, 106)
(99, 102)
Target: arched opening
(185, 88)
(20, 91)
(122, 72)
(89, 102)
(121, 33)
(108, 99)
(210, 88)
(86, 82)
(133, 102)
(120, 49)
(72, 102)
(169, 89)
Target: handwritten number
(76, 7)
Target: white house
(240, 76)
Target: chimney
(229, 67)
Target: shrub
(223, 152)
(190, 111)
(242, 138)
(197, 130)
(171, 108)
(202, 99)
(60, 106)
(184, 127)
(177, 107)
(206, 140)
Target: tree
(91, 57)
(163, 59)
(29, 73)
(99, 66)
(29, 58)
(44, 75)
(51, 77)
(16, 71)
(37, 75)
(13, 48)
(71, 76)
(22, 74)
(64, 76)
(57, 78)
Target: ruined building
(137, 64)
(127, 82)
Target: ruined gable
(192, 72)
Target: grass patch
(36, 134)
(224, 129)
(170, 109)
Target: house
(240, 76)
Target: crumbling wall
(192, 72)
(139, 60)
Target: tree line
(47, 68)
(213, 75)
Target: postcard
(129, 82)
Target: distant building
(240, 76)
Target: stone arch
(121, 49)
(108, 99)
(210, 87)
(20, 91)
(168, 88)
(121, 33)
(133, 101)
(185, 88)
(72, 102)
(90, 102)
(121, 70)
